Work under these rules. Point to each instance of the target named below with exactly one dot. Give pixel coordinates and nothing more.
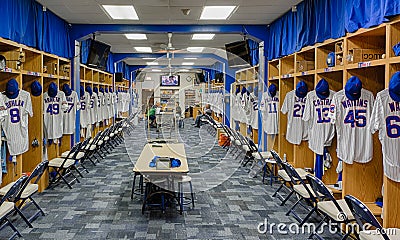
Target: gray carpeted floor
(229, 204)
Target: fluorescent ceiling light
(152, 63)
(195, 49)
(149, 58)
(121, 12)
(184, 70)
(144, 49)
(156, 70)
(203, 36)
(190, 58)
(216, 12)
(136, 36)
(188, 63)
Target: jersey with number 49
(85, 110)
(269, 108)
(293, 106)
(70, 113)
(386, 118)
(54, 108)
(15, 125)
(354, 141)
(320, 129)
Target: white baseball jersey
(293, 106)
(119, 102)
(15, 125)
(3, 115)
(70, 113)
(126, 99)
(108, 105)
(114, 104)
(233, 106)
(254, 110)
(351, 118)
(246, 105)
(54, 108)
(100, 107)
(93, 108)
(85, 119)
(320, 129)
(386, 118)
(269, 108)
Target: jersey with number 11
(354, 141)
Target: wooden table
(172, 150)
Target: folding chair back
(38, 172)
(322, 193)
(363, 215)
(13, 193)
(295, 178)
(253, 147)
(278, 160)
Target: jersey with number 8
(386, 118)
(15, 125)
(351, 118)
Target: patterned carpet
(229, 204)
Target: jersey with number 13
(354, 141)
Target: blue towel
(174, 162)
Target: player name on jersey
(15, 103)
(51, 99)
(394, 106)
(355, 103)
(322, 102)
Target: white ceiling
(169, 11)
(175, 62)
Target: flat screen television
(238, 54)
(170, 80)
(200, 78)
(98, 55)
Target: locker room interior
(258, 92)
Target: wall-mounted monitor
(98, 55)
(170, 81)
(238, 54)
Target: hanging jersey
(232, 99)
(100, 107)
(54, 108)
(114, 104)
(386, 118)
(254, 110)
(293, 106)
(15, 125)
(351, 118)
(93, 108)
(70, 113)
(85, 119)
(320, 129)
(3, 115)
(269, 108)
(108, 105)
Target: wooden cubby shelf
(367, 54)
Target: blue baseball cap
(36, 88)
(12, 89)
(101, 89)
(237, 89)
(111, 90)
(322, 89)
(301, 89)
(89, 90)
(394, 87)
(255, 90)
(353, 88)
(396, 49)
(272, 90)
(66, 89)
(82, 91)
(244, 90)
(175, 163)
(52, 90)
(95, 89)
(249, 88)
(330, 60)
(106, 89)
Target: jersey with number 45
(293, 106)
(15, 125)
(70, 113)
(386, 118)
(54, 108)
(354, 141)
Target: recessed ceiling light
(156, 70)
(203, 36)
(136, 36)
(121, 12)
(149, 58)
(188, 63)
(195, 49)
(144, 49)
(184, 70)
(190, 58)
(152, 63)
(216, 12)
